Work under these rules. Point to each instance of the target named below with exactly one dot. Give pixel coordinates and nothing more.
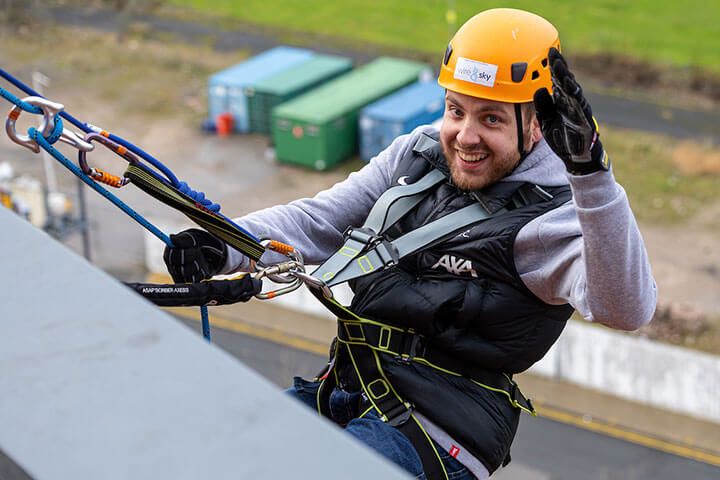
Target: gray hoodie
(588, 253)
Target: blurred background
(160, 73)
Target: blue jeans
(373, 432)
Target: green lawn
(660, 191)
(662, 31)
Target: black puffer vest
(465, 296)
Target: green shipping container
(319, 129)
(268, 93)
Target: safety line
(543, 409)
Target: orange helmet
(501, 55)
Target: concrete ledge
(97, 383)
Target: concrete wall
(635, 368)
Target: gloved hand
(567, 122)
(195, 255)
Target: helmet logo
(475, 72)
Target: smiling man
(479, 139)
(503, 223)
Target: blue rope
(24, 105)
(45, 144)
(198, 197)
(56, 131)
(87, 128)
(34, 134)
(205, 317)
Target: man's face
(479, 139)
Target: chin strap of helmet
(520, 133)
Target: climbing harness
(366, 342)
(154, 178)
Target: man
(422, 367)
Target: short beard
(499, 170)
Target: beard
(499, 167)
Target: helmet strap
(520, 133)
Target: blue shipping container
(383, 121)
(226, 89)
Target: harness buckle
(387, 253)
(399, 415)
(366, 236)
(518, 397)
(413, 345)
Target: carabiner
(98, 174)
(273, 273)
(282, 272)
(315, 283)
(49, 109)
(284, 249)
(74, 140)
(296, 276)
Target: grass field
(668, 181)
(681, 34)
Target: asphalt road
(543, 449)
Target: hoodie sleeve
(589, 253)
(315, 225)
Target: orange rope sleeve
(107, 178)
(280, 247)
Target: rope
(87, 128)
(198, 197)
(35, 135)
(47, 145)
(24, 105)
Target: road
(543, 450)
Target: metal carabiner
(284, 249)
(273, 272)
(316, 283)
(98, 174)
(74, 140)
(282, 272)
(49, 109)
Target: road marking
(264, 333)
(544, 410)
(627, 435)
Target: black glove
(195, 255)
(567, 121)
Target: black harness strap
(407, 346)
(207, 219)
(367, 342)
(392, 409)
